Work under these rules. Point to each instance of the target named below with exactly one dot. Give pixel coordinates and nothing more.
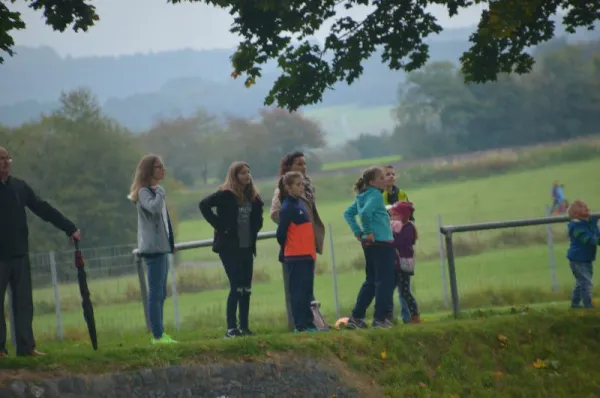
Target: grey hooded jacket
(153, 222)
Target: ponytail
(286, 180)
(368, 175)
(281, 188)
(359, 185)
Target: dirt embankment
(276, 378)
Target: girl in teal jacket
(375, 234)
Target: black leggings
(403, 283)
(238, 266)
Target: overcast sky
(134, 26)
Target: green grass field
(515, 336)
(488, 278)
(522, 352)
(361, 163)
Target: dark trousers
(403, 282)
(238, 266)
(379, 283)
(301, 285)
(16, 272)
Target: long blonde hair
(232, 184)
(143, 175)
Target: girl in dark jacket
(235, 212)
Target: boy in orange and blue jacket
(296, 237)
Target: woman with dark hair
(237, 221)
(296, 161)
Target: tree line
(438, 114)
(83, 161)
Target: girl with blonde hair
(155, 238)
(235, 212)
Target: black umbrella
(86, 303)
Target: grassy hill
(529, 353)
(494, 268)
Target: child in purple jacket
(405, 237)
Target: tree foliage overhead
(59, 14)
(283, 30)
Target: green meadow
(494, 267)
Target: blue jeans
(583, 273)
(158, 270)
(379, 283)
(301, 284)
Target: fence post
(174, 290)
(551, 251)
(288, 302)
(11, 316)
(442, 260)
(452, 273)
(54, 274)
(143, 288)
(333, 272)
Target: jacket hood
(363, 196)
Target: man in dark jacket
(15, 270)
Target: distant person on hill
(375, 234)
(296, 161)
(584, 237)
(155, 238)
(296, 237)
(237, 220)
(391, 193)
(559, 200)
(405, 237)
(15, 270)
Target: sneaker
(34, 353)
(385, 324)
(246, 332)
(231, 333)
(3, 354)
(415, 319)
(168, 338)
(356, 323)
(307, 330)
(164, 339)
